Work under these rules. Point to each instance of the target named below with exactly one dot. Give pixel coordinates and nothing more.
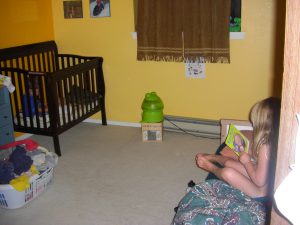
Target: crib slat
(73, 61)
(86, 91)
(22, 62)
(15, 98)
(94, 87)
(88, 88)
(77, 97)
(34, 63)
(39, 64)
(61, 102)
(36, 100)
(29, 101)
(5, 63)
(29, 59)
(42, 101)
(22, 98)
(95, 92)
(49, 62)
(44, 61)
(81, 94)
(66, 85)
(72, 97)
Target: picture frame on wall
(73, 9)
(99, 8)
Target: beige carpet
(108, 176)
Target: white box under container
(152, 132)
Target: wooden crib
(54, 92)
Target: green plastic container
(152, 107)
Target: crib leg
(103, 113)
(56, 145)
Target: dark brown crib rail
(54, 92)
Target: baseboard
(195, 126)
(114, 123)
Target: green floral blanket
(215, 202)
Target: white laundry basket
(12, 199)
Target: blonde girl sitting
(252, 174)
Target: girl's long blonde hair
(265, 116)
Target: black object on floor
(191, 184)
(176, 209)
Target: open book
(236, 140)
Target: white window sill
(134, 35)
(237, 35)
(233, 35)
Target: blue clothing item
(6, 172)
(20, 160)
(29, 107)
(263, 200)
(266, 201)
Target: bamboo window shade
(181, 31)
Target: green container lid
(152, 107)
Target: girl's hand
(244, 158)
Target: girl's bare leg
(213, 158)
(232, 177)
(237, 166)
(205, 161)
(223, 161)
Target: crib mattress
(64, 118)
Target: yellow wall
(24, 22)
(228, 91)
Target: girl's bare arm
(259, 173)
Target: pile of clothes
(21, 160)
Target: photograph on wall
(73, 9)
(99, 8)
(235, 16)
